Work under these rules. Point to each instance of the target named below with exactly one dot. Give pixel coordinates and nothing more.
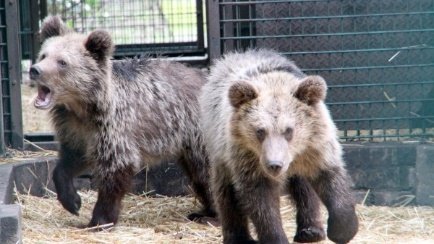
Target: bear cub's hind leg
(198, 173)
(112, 188)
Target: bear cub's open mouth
(43, 100)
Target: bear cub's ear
(99, 44)
(53, 26)
(312, 90)
(241, 92)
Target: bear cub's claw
(71, 202)
(205, 217)
(66, 192)
(311, 234)
(99, 223)
(235, 240)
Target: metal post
(200, 34)
(3, 60)
(34, 27)
(43, 9)
(14, 61)
(213, 19)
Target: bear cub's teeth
(43, 100)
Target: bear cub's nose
(34, 72)
(275, 166)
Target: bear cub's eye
(42, 57)
(260, 134)
(61, 62)
(288, 133)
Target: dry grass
(143, 219)
(14, 156)
(162, 220)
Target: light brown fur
(266, 129)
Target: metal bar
(228, 29)
(252, 25)
(213, 27)
(382, 119)
(14, 54)
(237, 13)
(3, 46)
(385, 101)
(40, 137)
(329, 34)
(43, 8)
(353, 138)
(327, 17)
(265, 2)
(371, 67)
(34, 27)
(200, 34)
(418, 47)
(383, 84)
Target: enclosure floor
(162, 220)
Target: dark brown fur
(308, 217)
(117, 117)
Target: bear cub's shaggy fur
(266, 127)
(116, 116)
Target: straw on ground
(148, 219)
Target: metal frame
(30, 14)
(30, 25)
(214, 29)
(169, 49)
(12, 115)
(3, 65)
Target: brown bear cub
(116, 117)
(266, 128)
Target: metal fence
(377, 56)
(30, 14)
(11, 129)
(154, 26)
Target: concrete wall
(393, 173)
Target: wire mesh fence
(377, 57)
(163, 26)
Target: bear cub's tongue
(43, 99)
